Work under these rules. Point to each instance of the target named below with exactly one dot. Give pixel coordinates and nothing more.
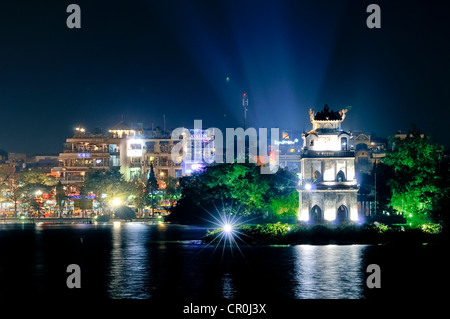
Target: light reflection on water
(317, 272)
(328, 272)
(150, 261)
(130, 267)
(228, 289)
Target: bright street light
(227, 228)
(116, 201)
(308, 186)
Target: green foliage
(279, 233)
(274, 230)
(431, 228)
(36, 178)
(109, 182)
(103, 218)
(415, 184)
(380, 228)
(23, 187)
(125, 212)
(284, 206)
(238, 188)
(239, 182)
(150, 188)
(138, 193)
(60, 197)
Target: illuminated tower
(327, 188)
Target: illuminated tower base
(327, 188)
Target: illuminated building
(289, 149)
(327, 186)
(369, 150)
(198, 145)
(140, 153)
(123, 147)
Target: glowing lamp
(227, 228)
(308, 186)
(116, 201)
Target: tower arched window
(317, 177)
(340, 177)
(344, 144)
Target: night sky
(143, 59)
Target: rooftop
(328, 115)
(121, 126)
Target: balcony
(75, 178)
(135, 164)
(75, 150)
(312, 154)
(83, 165)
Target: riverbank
(279, 233)
(76, 220)
(283, 233)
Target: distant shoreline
(78, 220)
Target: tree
(5, 184)
(172, 190)
(60, 197)
(381, 192)
(109, 182)
(32, 183)
(285, 206)
(238, 189)
(138, 195)
(240, 184)
(13, 190)
(150, 188)
(22, 187)
(125, 212)
(415, 182)
(36, 177)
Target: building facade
(327, 186)
(123, 147)
(289, 149)
(198, 150)
(369, 150)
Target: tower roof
(327, 119)
(121, 126)
(328, 115)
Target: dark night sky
(144, 59)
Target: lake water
(159, 261)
